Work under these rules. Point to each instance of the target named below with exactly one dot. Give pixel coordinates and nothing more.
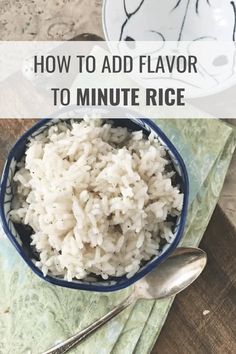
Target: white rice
(96, 197)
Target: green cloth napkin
(34, 315)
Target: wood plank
(187, 330)
(10, 131)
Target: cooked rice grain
(97, 198)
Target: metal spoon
(168, 279)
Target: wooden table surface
(187, 330)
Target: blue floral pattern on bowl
(21, 241)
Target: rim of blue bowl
(93, 287)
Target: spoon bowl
(174, 275)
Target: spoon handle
(75, 339)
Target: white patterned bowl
(169, 20)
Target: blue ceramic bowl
(20, 237)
